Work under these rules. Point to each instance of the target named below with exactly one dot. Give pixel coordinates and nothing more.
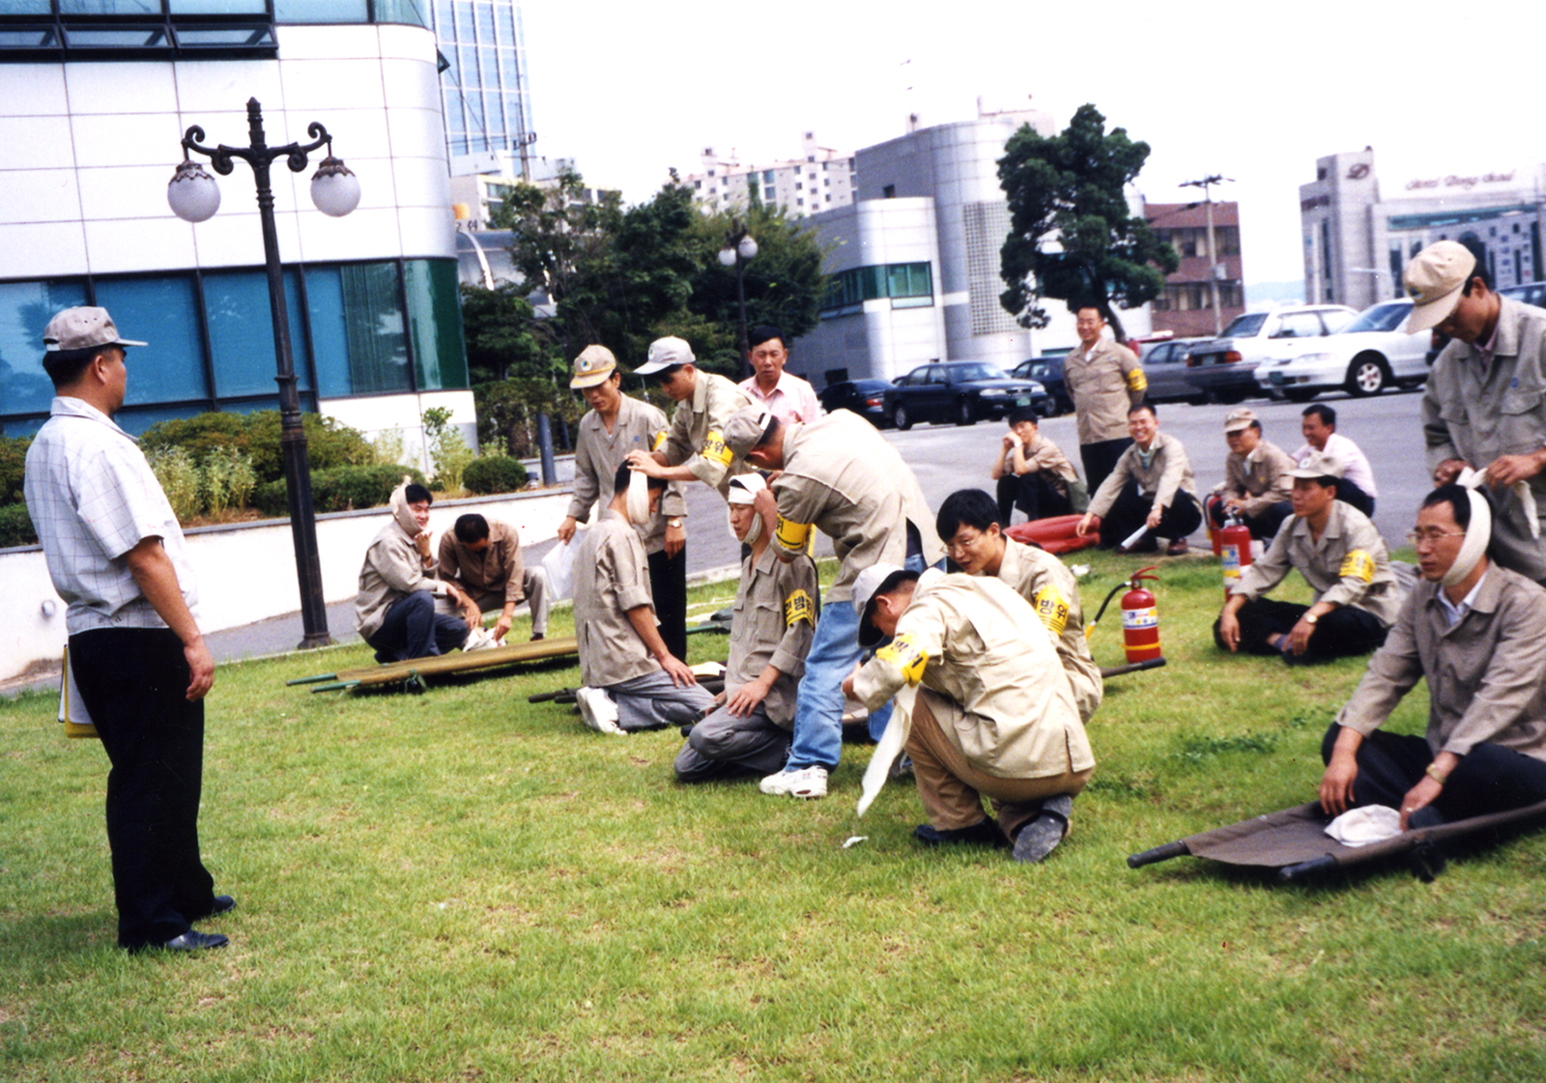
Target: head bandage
(742, 491)
(637, 503)
(1477, 534)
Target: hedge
(328, 443)
(342, 488)
(494, 474)
(16, 526)
(13, 454)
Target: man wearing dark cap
(116, 556)
(1485, 402)
(991, 711)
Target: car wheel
(1366, 375)
(964, 415)
(1301, 394)
(900, 419)
(1229, 398)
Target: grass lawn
(460, 885)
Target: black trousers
(412, 629)
(1351, 494)
(1100, 459)
(1490, 778)
(1345, 631)
(1033, 494)
(668, 588)
(1131, 511)
(1263, 527)
(134, 682)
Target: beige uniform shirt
(1348, 566)
(1045, 581)
(841, 476)
(980, 645)
(1476, 409)
(495, 570)
(1045, 457)
(1484, 674)
(775, 619)
(697, 435)
(1259, 479)
(1167, 472)
(1103, 383)
(392, 570)
(611, 576)
(598, 454)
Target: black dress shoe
(222, 904)
(190, 941)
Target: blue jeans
(818, 713)
(412, 629)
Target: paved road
(947, 458)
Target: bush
(179, 477)
(447, 450)
(342, 488)
(495, 474)
(13, 455)
(16, 526)
(226, 480)
(328, 443)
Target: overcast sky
(630, 89)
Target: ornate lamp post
(740, 246)
(194, 197)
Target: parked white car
(1365, 357)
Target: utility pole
(1215, 268)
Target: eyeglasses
(953, 547)
(1429, 537)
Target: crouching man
(632, 682)
(1473, 629)
(993, 713)
(775, 620)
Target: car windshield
(1379, 318)
(977, 372)
(1248, 324)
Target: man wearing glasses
(1473, 629)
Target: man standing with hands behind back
(116, 556)
(1104, 380)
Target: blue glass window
(435, 320)
(25, 309)
(241, 336)
(357, 329)
(321, 11)
(163, 312)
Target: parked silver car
(1225, 367)
(1364, 358)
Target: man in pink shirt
(783, 394)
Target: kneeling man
(632, 682)
(394, 608)
(1343, 558)
(775, 620)
(993, 713)
(1473, 629)
(484, 559)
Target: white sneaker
(805, 782)
(598, 710)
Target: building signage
(1454, 180)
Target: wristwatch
(1310, 618)
(675, 522)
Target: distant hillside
(1262, 294)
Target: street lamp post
(740, 246)
(335, 190)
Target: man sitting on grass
(1151, 489)
(993, 713)
(975, 540)
(1032, 473)
(632, 682)
(775, 620)
(1474, 629)
(1343, 558)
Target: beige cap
(592, 367)
(665, 352)
(1239, 418)
(1317, 464)
(876, 579)
(1435, 278)
(745, 429)
(83, 329)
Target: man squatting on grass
(1343, 558)
(1031, 472)
(484, 559)
(770, 634)
(1473, 629)
(841, 477)
(992, 713)
(975, 541)
(632, 682)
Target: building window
(25, 309)
(889, 191)
(908, 285)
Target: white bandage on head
(1477, 534)
(637, 503)
(743, 490)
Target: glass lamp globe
(192, 192)
(748, 247)
(334, 188)
(727, 256)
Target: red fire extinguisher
(1234, 551)
(1140, 620)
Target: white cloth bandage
(742, 491)
(1478, 534)
(637, 503)
(888, 748)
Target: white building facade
(92, 120)
(821, 179)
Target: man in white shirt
(783, 394)
(1356, 486)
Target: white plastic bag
(559, 564)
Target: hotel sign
(1454, 180)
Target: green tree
(505, 340)
(1072, 235)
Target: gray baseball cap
(745, 429)
(83, 329)
(876, 579)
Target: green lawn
(460, 885)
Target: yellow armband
(715, 450)
(1357, 565)
(1052, 608)
(659, 441)
(791, 536)
(1136, 380)
(797, 607)
(903, 653)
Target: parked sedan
(1225, 368)
(1365, 357)
(1047, 371)
(867, 398)
(1164, 366)
(960, 391)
